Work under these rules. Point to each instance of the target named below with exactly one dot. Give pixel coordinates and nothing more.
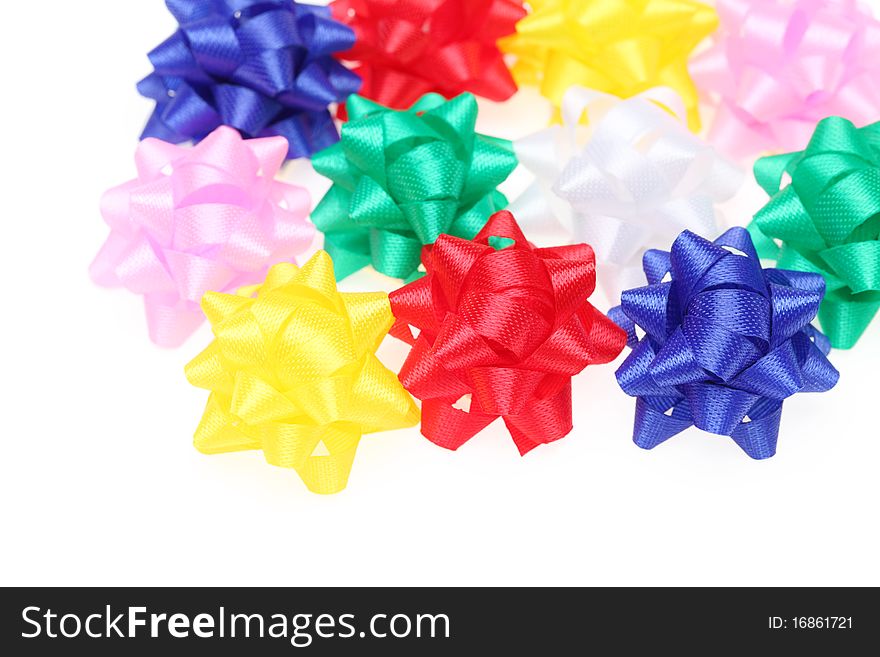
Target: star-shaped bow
(725, 342)
(212, 217)
(405, 49)
(828, 221)
(264, 67)
(621, 47)
(777, 67)
(402, 179)
(506, 324)
(293, 372)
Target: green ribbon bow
(403, 178)
(828, 221)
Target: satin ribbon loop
(401, 179)
(207, 218)
(264, 67)
(293, 371)
(623, 47)
(502, 328)
(405, 50)
(632, 179)
(725, 343)
(777, 67)
(826, 221)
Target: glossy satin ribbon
(211, 217)
(401, 179)
(264, 67)
(293, 372)
(621, 47)
(828, 221)
(725, 342)
(503, 327)
(636, 182)
(407, 48)
(779, 66)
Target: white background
(100, 483)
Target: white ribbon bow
(631, 179)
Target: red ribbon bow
(407, 48)
(507, 326)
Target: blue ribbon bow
(264, 67)
(725, 342)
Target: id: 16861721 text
(810, 623)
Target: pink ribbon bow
(207, 218)
(780, 66)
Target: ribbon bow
(404, 50)
(508, 327)
(828, 220)
(264, 67)
(401, 179)
(725, 342)
(211, 217)
(622, 47)
(293, 372)
(638, 181)
(777, 67)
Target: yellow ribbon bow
(293, 371)
(621, 47)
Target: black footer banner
(425, 621)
